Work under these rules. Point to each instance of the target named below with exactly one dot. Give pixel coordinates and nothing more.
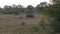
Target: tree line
(17, 9)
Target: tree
(40, 7)
(43, 4)
(17, 9)
(30, 9)
(6, 7)
(54, 12)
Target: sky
(21, 2)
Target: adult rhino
(30, 16)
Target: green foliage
(36, 29)
(54, 11)
(40, 26)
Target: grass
(11, 24)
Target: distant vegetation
(17, 9)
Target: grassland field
(12, 23)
